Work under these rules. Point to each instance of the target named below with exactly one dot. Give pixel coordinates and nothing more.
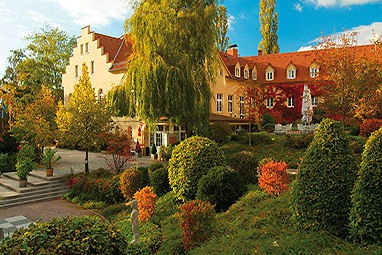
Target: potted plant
(154, 152)
(48, 159)
(23, 168)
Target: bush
(172, 238)
(366, 217)
(165, 206)
(159, 181)
(298, 141)
(321, 192)
(196, 220)
(86, 235)
(274, 178)
(145, 175)
(166, 151)
(357, 143)
(221, 187)
(94, 205)
(113, 210)
(220, 132)
(268, 122)
(260, 138)
(26, 151)
(155, 166)
(146, 203)
(369, 126)
(8, 144)
(130, 181)
(4, 162)
(245, 162)
(190, 160)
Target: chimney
(233, 51)
(259, 52)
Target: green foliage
(166, 151)
(159, 181)
(111, 211)
(298, 141)
(365, 217)
(246, 163)
(190, 160)
(221, 187)
(131, 181)
(222, 29)
(8, 143)
(48, 159)
(94, 205)
(4, 162)
(24, 167)
(86, 235)
(26, 152)
(325, 178)
(260, 138)
(220, 132)
(165, 206)
(268, 27)
(145, 175)
(155, 166)
(172, 238)
(268, 122)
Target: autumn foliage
(369, 126)
(274, 178)
(130, 182)
(196, 221)
(146, 203)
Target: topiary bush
(366, 217)
(220, 132)
(268, 122)
(321, 192)
(274, 178)
(221, 187)
(145, 175)
(130, 182)
(369, 126)
(190, 160)
(155, 166)
(146, 203)
(165, 206)
(246, 163)
(85, 235)
(298, 141)
(159, 180)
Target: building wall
(102, 78)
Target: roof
(221, 118)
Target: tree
(84, 119)
(350, 77)
(222, 29)
(174, 60)
(268, 27)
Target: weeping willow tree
(173, 61)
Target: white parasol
(307, 106)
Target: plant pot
(154, 156)
(23, 183)
(49, 172)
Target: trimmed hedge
(130, 182)
(86, 235)
(165, 206)
(321, 191)
(159, 180)
(221, 187)
(245, 163)
(366, 216)
(190, 160)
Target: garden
(229, 198)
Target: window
(100, 94)
(270, 102)
(82, 49)
(158, 139)
(221, 72)
(237, 71)
(76, 71)
(269, 76)
(254, 75)
(314, 100)
(230, 103)
(290, 102)
(87, 47)
(313, 72)
(291, 74)
(219, 102)
(246, 74)
(92, 67)
(241, 107)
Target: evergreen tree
(268, 27)
(85, 118)
(222, 29)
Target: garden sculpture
(134, 221)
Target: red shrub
(196, 221)
(274, 178)
(71, 181)
(369, 126)
(146, 203)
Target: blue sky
(301, 22)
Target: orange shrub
(196, 221)
(274, 178)
(130, 181)
(146, 203)
(369, 126)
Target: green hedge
(159, 181)
(246, 163)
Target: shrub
(155, 166)
(111, 211)
(245, 162)
(166, 151)
(321, 192)
(130, 182)
(220, 132)
(26, 151)
(196, 220)
(86, 235)
(165, 206)
(145, 175)
(369, 126)
(366, 217)
(221, 187)
(268, 122)
(260, 138)
(159, 181)
(4, 161)
(94, 205)
(274, 178)
(357, 143)
(146, 203)
(154, 149)
(190, 160)
(298, 141)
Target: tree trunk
(86, 161)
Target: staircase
(39, 188)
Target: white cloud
(231, 21)
(100, 12)
(38, 16)
(342, 3)
(364, 35)
(297, 7)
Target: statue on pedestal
(134, 221)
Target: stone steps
(39, 188)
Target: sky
(301, 22)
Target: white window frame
(219, 102)
(237, 72)
(230, 103)
(254, 75)
(246, 74)
(158, 139)
(314, 100)
(269, 75)
(291, 74)
(270, 102)
(241, 104)
(290, 103)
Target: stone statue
(134, 221)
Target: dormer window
(246, 72)
(237, 70)
(269, 73)
(221, 72)
(291, 71)
(314, 70)
(254, 74)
